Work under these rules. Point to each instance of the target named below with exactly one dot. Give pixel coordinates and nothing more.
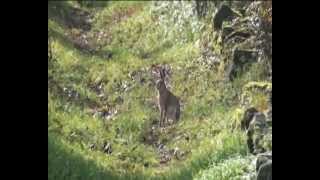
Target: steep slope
(102, 109)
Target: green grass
(231, 168)
(216, 148)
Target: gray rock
(107, 148)
(240, 59)
(268, 114)
(258, 120)
(255, 133)
(161, 146)
(248, 115)
(241, 34)
(270, 98)
(92, 146)
(224, 13)
(265, 171)
(226, 31)
(262, 158)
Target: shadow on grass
(68, 165)
(63, 164)
(68, 16)
(84, 49)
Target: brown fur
(168, 103)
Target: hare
(169, 104)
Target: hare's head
(159, 73)
(160, 83)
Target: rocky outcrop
(258, 127)
(248, 115)
(224, 13)
(265, 171)
(256, 131)
(240, 59)
(252, 88)
(241, 42)
(244, 39)
(264, 166)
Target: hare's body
(168, 103)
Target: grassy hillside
(102, 101)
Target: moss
(258, 85)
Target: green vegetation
(106, 95)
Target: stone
(244, 56)
(242, 34)
(226, 31)
(258, 121)
(92, 146)
(255, 133)
(240, 59)
(107, 148)
(224, 13)
(265, 171)
(263, 158)
(268, 115)
(248, 115)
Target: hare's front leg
(165, 118)
(161, 117)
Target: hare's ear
(155, 70)
(162, 73)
